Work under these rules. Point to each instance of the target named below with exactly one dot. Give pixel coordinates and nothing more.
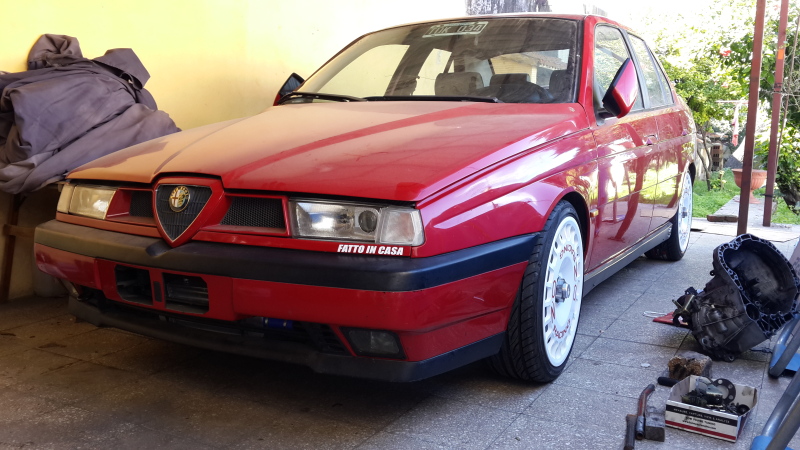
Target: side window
(610, 52)
(654, 80)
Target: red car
(435, 194)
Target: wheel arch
(579, 203)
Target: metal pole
(777, 97)
(752, 115)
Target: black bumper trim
(370, 273)
(377, 369)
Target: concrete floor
(70, 385)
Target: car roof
(578, 17)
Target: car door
(672, 132)
(627, 162)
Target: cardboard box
(706, 421)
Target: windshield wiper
(434, 98)
(319, 96)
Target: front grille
(255, 212)
(185, 293)
(175, 223)
(141, 204)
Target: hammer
(648, 426)
(640, 420)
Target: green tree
(702, 84)
(737, 56)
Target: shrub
(788, 175)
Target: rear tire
(675, 247)
(544, 317)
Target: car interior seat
(458, 84)
(560, 85)
(509, 78)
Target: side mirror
(621, 94)
(292, 83)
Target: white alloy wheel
(563, 291)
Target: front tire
(544, 317)
(675, 247)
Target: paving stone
(645, 269)
(149, 357)
(18, 406)
(10, 344)
(67, 427)
(51, 332)
(28, 310)
(216, 420)
(594, 322)
(625, 285)
(75, 382)
(453, 424)
(383, 440)
(213, 370)
(291, 430)
(643, 330)
(628, 353)
(93, 344)
(492, 391)
(582, 342)
(566, 404)
(363, 403)
(141, 401)
(608, 301)
(128, 436)
(603, 377)
(530, 433)
(655, 300)
(17, 367)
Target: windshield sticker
(453, 29)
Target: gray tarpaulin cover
(66, 110)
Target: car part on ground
(752, 294)
(715, 394)
(648, 423)
(689, 363)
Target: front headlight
(357, 222)
(87, 201)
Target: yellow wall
(210, 60)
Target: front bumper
(447, 310)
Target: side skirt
(613, 266)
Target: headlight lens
(357, 222)
(87, 201)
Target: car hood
(402, 151)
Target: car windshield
(512, 60)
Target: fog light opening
(378, 343)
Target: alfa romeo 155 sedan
(436, 194)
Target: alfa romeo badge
(179, 198)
